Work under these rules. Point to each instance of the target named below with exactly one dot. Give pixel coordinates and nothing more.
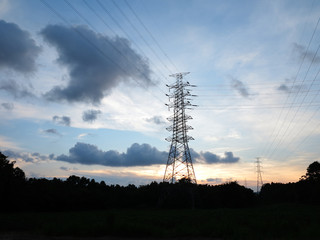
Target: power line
(280, 115)
(291, 121)
(153, 38)
(309, 120)
(138, 32)
(125, 33)
(95, 46)
(297, 110)
(108, 42)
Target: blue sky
(82, 87)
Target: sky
(83, 87)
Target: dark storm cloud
(211, 158)
(156, 119)
(240, 88)
(304, 54)
(93, 61)
(136, 155)
(90, 115)
(52, 131)
(7, 106)
(18, 50)
(64, 120)
(15, 89)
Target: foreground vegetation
(79, 206)
(267, 222)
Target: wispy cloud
(52, 131)
(83, 135)
(7, 106)
(240, 88)
(158, 120)
(304, 54)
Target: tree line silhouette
(18, 193)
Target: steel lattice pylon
(179, 164)
(259, 176)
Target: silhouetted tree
(12, 180)
(313, 172)
(309, 185)
(8, 173)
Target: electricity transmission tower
(179, 164)
(259, 176)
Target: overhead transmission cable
(297, 110)
(310, 133)
(124, 32)
(151, 35)
(108, 42)
(128, 37)
(95, 46)
(138, 32)
(269, 146)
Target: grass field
(267, 222)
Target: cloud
(7, 106)
(83, 135)
(240, 88)
(68, 169)
(304, 54)
(94, 62)
(156, 119)
(15, 89)
(52, 131)
(214, 180)
(211, 158)
(26, 157)
(64, 120)
(90, 115)
(194, 154)
(18, 50)
(39, 156)
(285, 88)
(136, 155)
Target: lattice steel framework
(179, 164)
(259, 176)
